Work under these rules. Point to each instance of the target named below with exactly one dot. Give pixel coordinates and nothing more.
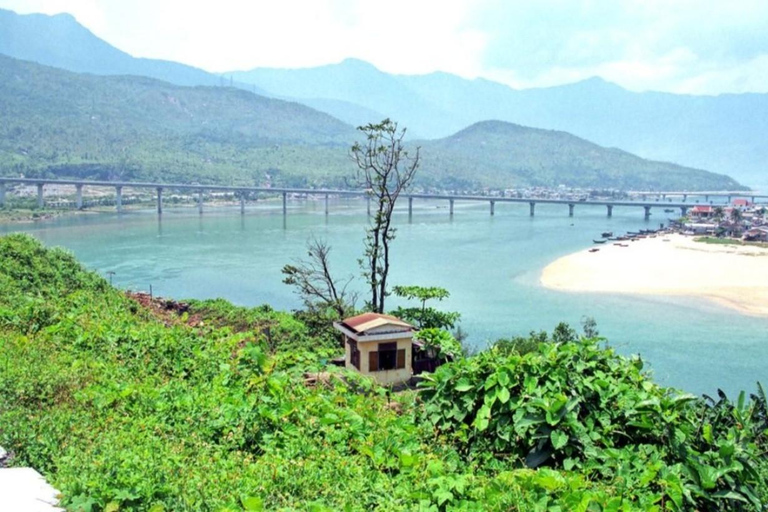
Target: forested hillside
(530, 156)
(151, 406)
(61, 124)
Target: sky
(682, 46)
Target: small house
(379, 346)
(759, 234)
(741, 203)
(702, 212)
(698, 228)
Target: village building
(379, 346)
(702, 212)
(742, 203)
(698, 228)
(759, 234)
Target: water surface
(490, 264)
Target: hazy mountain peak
(594, 82)
(353, 62)
(62, 42)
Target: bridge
(240, 191)
(707, 195)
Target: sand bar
(733, 276)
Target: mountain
(523, 156)
(359, 83)
(724, 133)
(60, 41)
(59, 123)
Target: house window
(388, 357)
(354, 352)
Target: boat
(599, 241)
(594, 249)
(669, 210)
(607, 234)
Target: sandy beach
(733, 276)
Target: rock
(24, 489)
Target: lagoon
(490, 264)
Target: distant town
(741, 219)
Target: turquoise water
(491, 265)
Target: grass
(729, 241)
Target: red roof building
(702, 211)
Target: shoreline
(732, 276)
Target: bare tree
(385, 170)
(314, 283)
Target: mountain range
(59, 122)
(724, 133)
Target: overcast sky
(692, 46)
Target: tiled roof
(368, 321)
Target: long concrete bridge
(707, 195)
(159, 188)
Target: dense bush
(574, 405)
(124, 411)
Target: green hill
(520, 156)
(60, 124)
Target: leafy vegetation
(425, 317)
(210, 408)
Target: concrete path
(25, 490)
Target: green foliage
(121, 410)
(425, 317)
(441, 343)
(574, 406)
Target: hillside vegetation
(529, 156)
(59, 124)
(208, 408)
